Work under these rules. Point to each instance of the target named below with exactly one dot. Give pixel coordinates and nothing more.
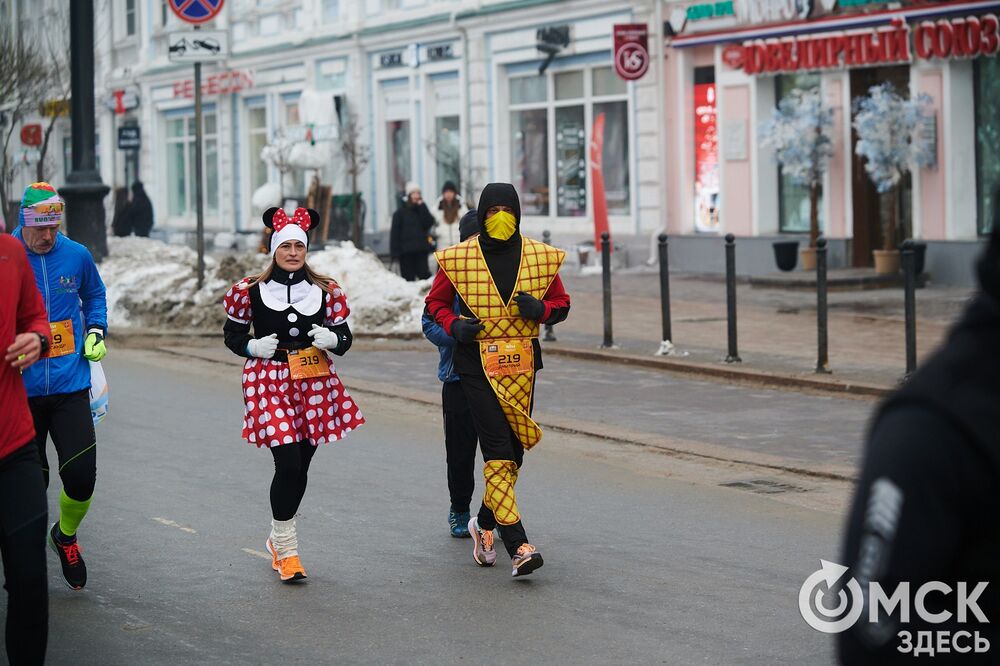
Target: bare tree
(356, 156)
(58, 87)
(23, 81)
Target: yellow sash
(466, 267)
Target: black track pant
(498, 442)
(460, 445)
(23, 523)
(291, 471)
(66, 416)
(414, 266)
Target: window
(987, 102)
(130, 20)
(181, 165)
(257, 130)
(398, 160)
(793, 199)
(446, 150)
(543, 155)
(331, 10)
(164, 13)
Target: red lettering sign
(222, 83)
(31, 135)
(947, 38)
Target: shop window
(614, 157)
(606, 82)
(528, 89)
(398, 160)
(569, 85)
(543, 160)
(181, 165)
(530, 159)
(706, 151)
(446, 150)
(257, 139)
(987, 103)
(130, 17)
(331, 10)
(793, 198)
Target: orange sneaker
(526, 560)
(289, 569)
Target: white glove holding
(263, 347)
(323, 337)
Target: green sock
(71, 513)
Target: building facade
(478, 90)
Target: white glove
(323, 337)
(263, 347)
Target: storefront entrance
(869, 206)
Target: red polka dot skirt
(280, 410)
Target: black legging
(66, 417)
(23, 527)
(291, 469)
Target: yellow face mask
(501, 226)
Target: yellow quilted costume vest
(466, 267)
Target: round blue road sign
(196, 11)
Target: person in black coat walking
(137, 216)
(409, 237)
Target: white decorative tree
(799, 135)
(888, 128)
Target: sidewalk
(776, 328)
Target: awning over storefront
(832, 23)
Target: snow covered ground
(152, 285)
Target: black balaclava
(468, 225)
(499, 194)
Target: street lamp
(84, 192)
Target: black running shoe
(73, 567)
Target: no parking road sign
(196, 11)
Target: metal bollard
(550, 335)
(910, 306)
(822, 352)
(606, 279)
(666, 342)
(733, 355)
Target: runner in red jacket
(24, 330)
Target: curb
(669, 446)
(757, 377)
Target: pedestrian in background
(293, 397)
(449, 208)
(927, 506)
(460, 438)
(137, 215)
(59, 385)
(410, 240)
(24, 331)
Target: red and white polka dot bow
(300, 219)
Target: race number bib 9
(61, 333)
(308, 363)
(507, 357)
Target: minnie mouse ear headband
(290, 228)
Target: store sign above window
(946, 38)
(222, 83)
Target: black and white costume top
(287, 304)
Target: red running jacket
(21, 310)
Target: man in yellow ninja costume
(508, 285)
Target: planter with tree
(799, 135)
(888, 128)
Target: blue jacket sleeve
(93, 295)
(434, 332)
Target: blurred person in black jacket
(410, 241)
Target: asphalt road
(648, 558)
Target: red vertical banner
(631, 50)
(706, 159)
(597, 181)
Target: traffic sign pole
(198, 194)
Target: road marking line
(172, 523)
(251, 551)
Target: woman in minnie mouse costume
(293, 397)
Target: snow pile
(153, 285)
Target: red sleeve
(237, 302)
(337, 309)
(31, 315)
(441, 300)
(555, 297)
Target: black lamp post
(84, 192)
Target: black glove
(465, 330)
(530, 307)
